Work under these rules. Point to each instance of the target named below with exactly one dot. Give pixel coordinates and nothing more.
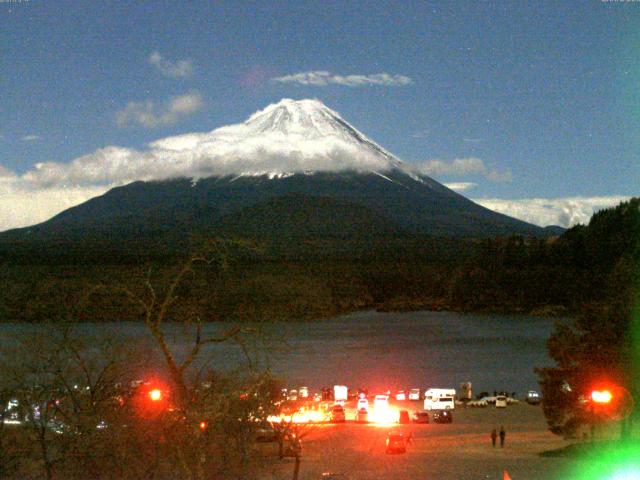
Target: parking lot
(460, 450)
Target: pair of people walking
(494, 436)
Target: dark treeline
(599, 348)
(301, 278)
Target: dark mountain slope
(166, 214)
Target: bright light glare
(384, 416)
(632, 473)
(155, 395)
(601, 396)
(309, 416)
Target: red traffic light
(601, 396)
(155, 395)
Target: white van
(439, 399)
(340, 394)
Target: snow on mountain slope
(286, 137)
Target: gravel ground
(461, 450)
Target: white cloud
(38, 205)
(565, 212)
(461, 167)
(461, 186)
(178, 69)
(30, 138)
(320, 78)
(496, 176)
(422, 134)
(148, 114)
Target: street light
(155, 395)
(601, 397)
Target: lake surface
(372, 349)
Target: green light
(618, 462)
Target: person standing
(410, 438)
(502, 435)
(494, 436)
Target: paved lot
(461, 450)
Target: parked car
(266, 435)
(395, 443)
(403, 416)
(337, 414)
(362, 416)
(381, 401)
(442, 416)
(401, 395)
(363, 403)
(533, 397)
(414, 394)
(501, 401)
(420, 417)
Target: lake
(374, 350)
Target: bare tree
(200, 394)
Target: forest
(310, 278)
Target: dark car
(337, 414)
(362, 416)
(442, 416)
(266, 435)
(395, 443)
(403, 416)
(420, 417)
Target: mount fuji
(294, 170)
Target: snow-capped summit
(326, 180)
(290, 136)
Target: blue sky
(538, 101)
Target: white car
(381, 402)
(414, 394)
(401, 396)
(363, 403)
(501, 401)
(533, 397)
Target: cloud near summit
(322, 78)
(460, 167)
(148, 114)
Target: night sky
(531, 108)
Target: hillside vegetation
(315, 275)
